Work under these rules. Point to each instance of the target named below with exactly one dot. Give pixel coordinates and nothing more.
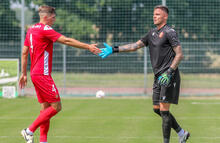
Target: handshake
(108, 50)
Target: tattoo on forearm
(177, 58)
(131, 47)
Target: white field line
(7, 80)
(110, 137)
(206, 103)
(116, 118)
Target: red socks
(44, 128)
(42, 119)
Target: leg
(156, 109)
(183, 135)
(161, 109)
(166, 121)
(168, 96)
(156, 97)
(46, 115)
(44, 128)
(46, 92)
(158, 92)
(57, 106)
(175, 125)
(49, 98)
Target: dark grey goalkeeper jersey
(161, 43)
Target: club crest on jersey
(153, 34)
(161, 34)
(47, 27)
(56, 95)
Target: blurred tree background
(8, 21)
(120, 21)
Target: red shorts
(45, 88)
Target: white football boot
(28, 138)
(184, 138)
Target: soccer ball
(100, 94)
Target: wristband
(115, 49)
(170, 70)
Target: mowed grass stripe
(129, 80)
(110, 121)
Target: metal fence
(78, 72)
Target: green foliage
(196, 20)
(73, 26)
(9, 25)
(124, 21)
(129, 20)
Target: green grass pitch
(110, 120)
(9, 66)
(129, 80)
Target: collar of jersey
(162, 28)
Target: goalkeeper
(165, 54)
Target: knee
(57, 107)
(157, 111)
(165, 115)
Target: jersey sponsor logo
(164, 97)
(161, 34)
(47, 28)
(46, 63)
(36, 26)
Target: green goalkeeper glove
(165, 78)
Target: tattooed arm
(131, 47)
(178, 57)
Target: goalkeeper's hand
(108, 50)
(165, 78)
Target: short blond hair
(45, 9)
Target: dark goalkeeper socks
(166, 125)
(174, 125)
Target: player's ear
(165, 15)
(45, 17)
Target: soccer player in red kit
(39, 43)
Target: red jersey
(40, 39)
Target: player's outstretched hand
(23, 81)
(93, 48)
(165, 78)
(108, 50)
